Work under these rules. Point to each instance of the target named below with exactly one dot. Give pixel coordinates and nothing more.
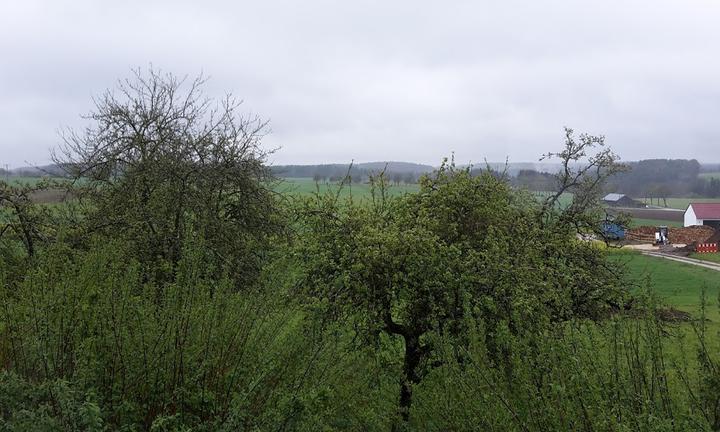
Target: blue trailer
(612, 231)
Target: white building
(703, 214)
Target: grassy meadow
(308, 186)
(711, 257)
(681, 203)
(678, 284)
(25, 180)
(636, 222)
(710, 175)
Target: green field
(712, 257)
(679, 285)
(307, 186)
(710, 175)
(564, 201)
(636, 222)
(681, 203)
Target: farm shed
(703, 214)
(620, 200)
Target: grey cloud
(378, 80)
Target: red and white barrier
(706, 248)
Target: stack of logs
(677, 235)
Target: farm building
(620, 200)
(703, 214)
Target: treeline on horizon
(649, 178)
(397, 172)
(664, 178)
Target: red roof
(706, 210)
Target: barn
(620, 200)
(703, 214)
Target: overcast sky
(384, 80)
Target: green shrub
(190, 350)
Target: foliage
(195, 350)
(50, 406)
(22, 222)
(658, 178)
(161, 160)
(577, 376)
(464, 247)
(587, 165)
(535, 181)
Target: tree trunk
(413, 356)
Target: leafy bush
(193, 348)
(50, 406)
(463, 248)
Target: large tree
(464, 248)
(160, 161)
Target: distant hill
(38, 171)
(304, 171)
(396, 167)
(301, 171)
(514, 168)
(399, 167)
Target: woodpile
(692, 234)
(677, 235)
(641, 234)
(715, 238)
